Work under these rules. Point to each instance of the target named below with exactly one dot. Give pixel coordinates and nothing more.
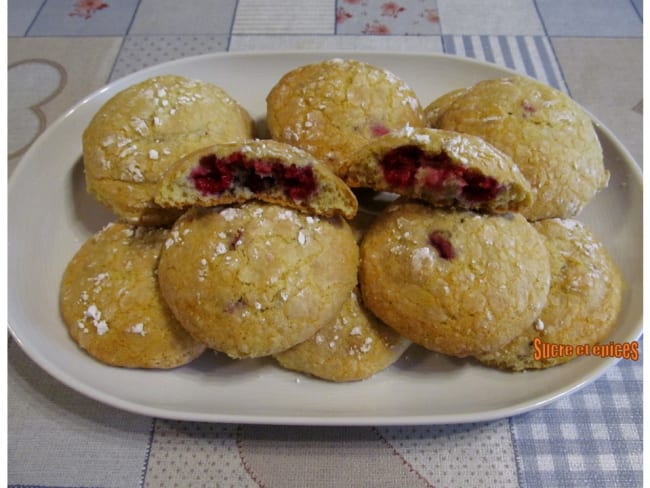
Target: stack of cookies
(258, 247)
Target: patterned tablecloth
(61, 50)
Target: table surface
(61, 51)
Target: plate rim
(104, 397)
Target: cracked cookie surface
(111, 302)
(583, 303)
(255, 279)
(455, 282)
(354, 347)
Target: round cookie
(353, 347)
(111, 302)
(455, 282)
(444, 168)
(266, 170)
(547, 134)
(141, 131)
(583, 302)
(256, 279)
(438, 107)
(333, 107)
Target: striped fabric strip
(284, 17)
(529, 55)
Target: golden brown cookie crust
(333, 107)
(455, 282)
(111, 302)
(265, 170)
(354, 347)
(439, 106)
(583, 303)
(547, 134)
(255, 279)
(142, 130)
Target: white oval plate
(50, 216)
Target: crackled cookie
(353, 347)
(111, 302)
(455, 282)
(438, 107)
(441, 167)
(547, 134)
(266, 170)
(333, 107)
(583, 302)
(142, 130)
(256, 279)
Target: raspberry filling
(438, 173)
(438, 240)
(529, 108)
(215, 175)
(378, 130)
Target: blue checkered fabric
(590, 438)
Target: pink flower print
(353, 2)
(391, 9)
(431, 14)
(86, 8)
(342, 15)
(376, 28)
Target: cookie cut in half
(353, 347)
(111, 302)
(443, 168)
(264, 170)
(583, 302)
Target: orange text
(550, 350)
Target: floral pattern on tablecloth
(86, 8)
(378, 17)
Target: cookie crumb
(137, 329)
(356, 331)
(92, 312)
(367, 345)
